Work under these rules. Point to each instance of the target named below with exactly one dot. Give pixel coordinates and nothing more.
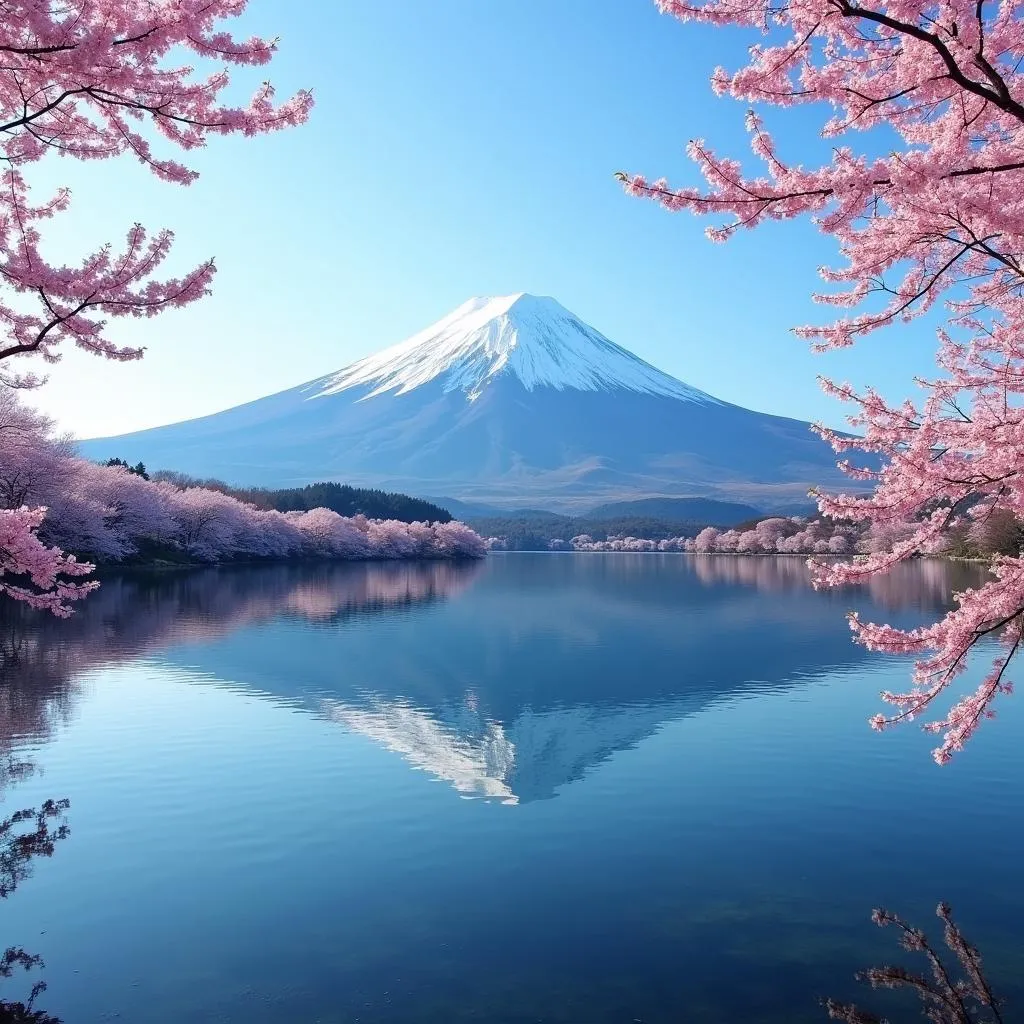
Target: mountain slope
(683, 510)
(512, 401)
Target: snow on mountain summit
(531, 337)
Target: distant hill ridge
(708, 511)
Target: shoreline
(164, 565)
(739, 554)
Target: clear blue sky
(464, 148)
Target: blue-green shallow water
(567, 788)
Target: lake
(544, 788)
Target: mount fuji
(510, 400)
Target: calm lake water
(565, 788)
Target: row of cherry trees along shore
(109, 514)
(996, 534)
(96, 81)
(770, 536)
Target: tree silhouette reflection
(25, 835)
(139, 613)
(920, 583)
(136, 613)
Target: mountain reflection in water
(511, 693)
(142, 613)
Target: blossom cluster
(932, 222)
(774, 535)
(30, 571)
(52, 501)
(95, 79)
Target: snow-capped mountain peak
(510, 401)
(533, 338)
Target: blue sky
(464, 148)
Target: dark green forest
(340, 498)
(348, 501)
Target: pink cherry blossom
(95, 79)
(109, 514)
(707, 539)
(456, 540)
(34, 573)
(325, 533)
(769, 536)
(85, 79)
(935, 224)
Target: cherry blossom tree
(31, 459)
(938, 218)
(35, 573)
(768, 537)
(327, 534)
(421, 536)
(97, 511)
(86, 79)
(276, 536)
(95, 79)
(208, 523)
(392, 539)
(41, 576)
(127, 509)
(838, 545)
(998, 530)
(795, 544)
(769, 531)
(111, 513)
(883, 536)
(707, 539)
(749, 541)
(728, 540)
(457, 540)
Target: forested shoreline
(341, 498)
(116, 515)
(995, 534)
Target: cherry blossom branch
(75, 78)
(945, 999)
(939, 219)
(31, 572)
